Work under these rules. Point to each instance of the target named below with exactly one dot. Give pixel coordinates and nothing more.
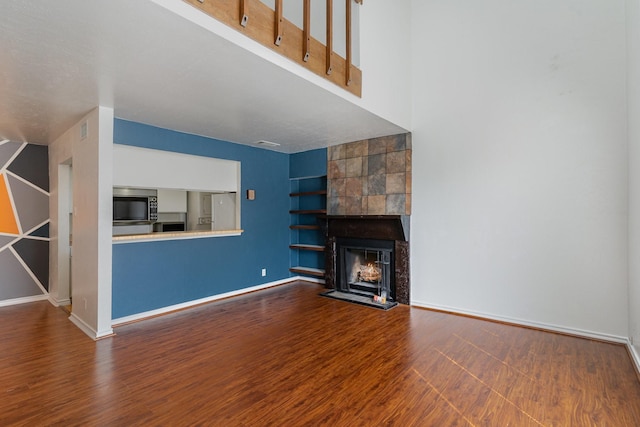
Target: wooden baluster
(244, 12)
(306, 29)
(349, 60)
(329, 36)
(278, 23)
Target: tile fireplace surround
(369, 196)
(370, 177)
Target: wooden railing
(268, 27)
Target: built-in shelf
(308, 209)
(308, 193)
(318, 272)
(305, 247)
(304, 227)
(308, 212)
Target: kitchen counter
(178, 235)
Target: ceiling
(59, 60)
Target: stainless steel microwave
(134, 205)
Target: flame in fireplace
(369, 273)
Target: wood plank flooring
(288, 357)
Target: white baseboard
(58, 303)
(538, 325)
(635, 356)
(84, 327)
(181, 306)
(23, 300)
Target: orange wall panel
(8, 222)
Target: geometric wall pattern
(24, 220)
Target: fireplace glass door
(366, 268)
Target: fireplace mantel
(384, 227)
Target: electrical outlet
(264, 272)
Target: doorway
(65, 234)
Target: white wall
(173, 170)
(633, 90)
(384, 53)
(520, 168)
(92, 192)
(385, 58)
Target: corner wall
(633, 93)
(520, 148)
(90, 158)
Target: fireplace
(365, 267)
(368, 256)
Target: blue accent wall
(152, 275)
(307, 171)
(308, 163)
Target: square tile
(376, 185)
(377, 164)
(396, 142)
(395, 183)
(337, 188)
(337, 206)
(396, 162)
(396, 204)
(354, 206)
(376, 205)
(353, 187)
(336, 169)
(354, 167)
(377, 146)
(336, 152)
(357, 149)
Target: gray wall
(24, 221)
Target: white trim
(84, 327)
(192, 303)
(158, 237)
(40, 239)
(635, 356)
(57, 303)
(23, 300)
(538, 325)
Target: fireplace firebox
(365, 268)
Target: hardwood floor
(287, 357)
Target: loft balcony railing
(322, 41)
